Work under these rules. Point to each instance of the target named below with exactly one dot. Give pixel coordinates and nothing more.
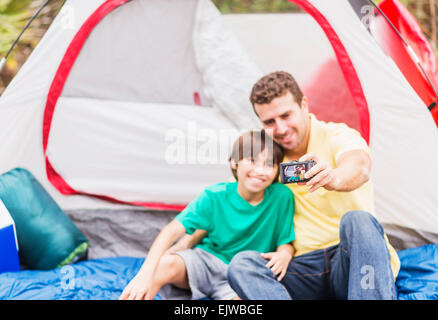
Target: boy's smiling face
(256, 174)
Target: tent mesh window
(119, 59)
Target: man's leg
(307, 277)
(360, 267)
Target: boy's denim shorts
(207, 275)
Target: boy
(254, 213)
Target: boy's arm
(139, 285)
(288, 247)
(188, 241)
(162, 242)
(280, 259)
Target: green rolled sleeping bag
(47, 238)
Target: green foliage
(13, 17)
(255, 6)
(13, 6)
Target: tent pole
(2, 62)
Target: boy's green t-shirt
(234, 225)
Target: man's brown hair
(250, 144)
(275, 85)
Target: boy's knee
(242, 262)
(245, 259)
(167, 267)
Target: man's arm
(353, 169)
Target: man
(341, 249)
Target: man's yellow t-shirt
(318, 214)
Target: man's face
(285, 121)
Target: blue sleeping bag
(105, 279)
(418, 276)
(100, 279)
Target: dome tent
(89, 111)
(85, 72)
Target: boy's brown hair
(275, 85)
(250, 144)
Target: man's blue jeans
(358, 268)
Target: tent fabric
(405, 237)
(313, 63)
(345, 63)
(120, 232)
(228, 72)
(411, 32)
(144, 147)
(103, 71)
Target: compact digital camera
(292, 172)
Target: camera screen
(294, 171)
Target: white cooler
(8, 242)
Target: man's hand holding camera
(320, 175)
(353, 169)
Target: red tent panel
(393, 46)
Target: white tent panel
(275, 42)
(403, 135)
(140, 152)
(227, 71)
(119, 59)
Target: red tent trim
(54, 93)
(346, 66)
